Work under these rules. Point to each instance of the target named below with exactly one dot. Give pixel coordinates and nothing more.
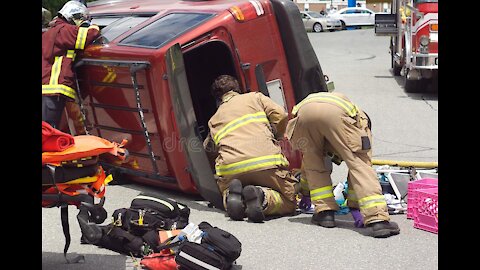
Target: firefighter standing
(69, 32)
(252, 171)
(329, 123)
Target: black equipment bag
(222, 242)
(161, 206)
(116, 239)
(193, 256)
(158, 214)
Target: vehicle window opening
(203, 64)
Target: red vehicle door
(187, 126)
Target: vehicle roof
(149, 6)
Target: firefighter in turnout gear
(69, 32)
(252, 171)
(326, 125)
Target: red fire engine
(147, 79)
(413, 30)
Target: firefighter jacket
(242, 132)
(59, 46)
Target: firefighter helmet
(74, 12)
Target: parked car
(354, 16)
(317, 22)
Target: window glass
(165, 29)
(112, 27)
(315, 14)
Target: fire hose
(399, 163)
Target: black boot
(324, 218)
(383, 229)
(235, 207)
(254, 197)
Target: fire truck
(146, 79)
(413, 29)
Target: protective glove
(305, 203)
(357, 216)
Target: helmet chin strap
(77, 22)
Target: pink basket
(425, 215)
(412, 188)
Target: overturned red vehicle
(147, 78)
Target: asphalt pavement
(404, 128)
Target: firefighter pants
(320, 126)
(278, 185)
(52, 109)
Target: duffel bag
(223, 242)
(193, 256)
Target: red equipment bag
(163, 260)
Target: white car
(316, 22)
(354, 16)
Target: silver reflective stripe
(197, 261)
(167, 204)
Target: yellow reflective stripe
(372, 201)
(278, 202)
(71, 54)
(83, 180)
(251, 164)
(58, 89)
(81, 38)
(56, 68)
(241, 121)
(349, 108)
(321, 193)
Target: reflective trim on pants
(321, 193)
(372, 201)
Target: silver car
(316, 22)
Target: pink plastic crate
(425, 215)
(412, 188)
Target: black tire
(414, 86)
(317, 28)
(344, 26)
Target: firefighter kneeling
(252, 171)
(329, 122)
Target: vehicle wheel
(344, 26)
(414, 86)
(317, 28)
